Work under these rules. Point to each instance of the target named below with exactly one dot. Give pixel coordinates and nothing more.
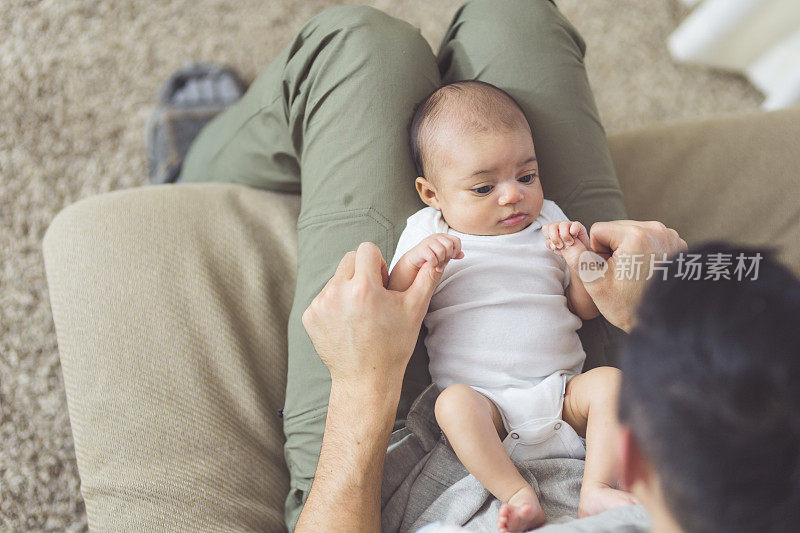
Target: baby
(502, 323)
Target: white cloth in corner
(758, 38)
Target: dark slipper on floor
(188, 101)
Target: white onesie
(498, 321)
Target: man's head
(475, 159)
(710, 399)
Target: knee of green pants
(339, 17)
(255, 143)
(506, 19)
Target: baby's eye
(483, 190)
(528, 178)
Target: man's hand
(363, 332)
(617, 299)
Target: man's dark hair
(476, 105)
(711, 393)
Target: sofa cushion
(170, 305)
(735, 178)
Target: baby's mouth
(515, 218)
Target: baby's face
(482, 179)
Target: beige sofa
(171, 302)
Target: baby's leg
(590, 407)
(474, 428)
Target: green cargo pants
(328, 117)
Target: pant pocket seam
(370, 212)
(365, 212)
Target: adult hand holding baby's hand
(437, 250)
(363, 332)
(566, 238)
(617, 297)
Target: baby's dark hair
(476, 105)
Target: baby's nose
(511, 194)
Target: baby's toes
(502, 518)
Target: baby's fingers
(578, 231)
(449, 245)
(439, 250)
(428, 256)
(563, 230)
(547, 231)
(555, 235)
(551, 246)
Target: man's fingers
(369, 263)
(641, 236)
(346, 266)
(678, 244)
(607, 236)
(420, 292)
(384, 273)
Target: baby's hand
(559, 236)
(437, 249)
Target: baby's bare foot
(521, 513)
(599, 497)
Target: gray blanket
(424, 482)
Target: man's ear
(427, 192)
(634, 465)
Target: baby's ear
(427, 192)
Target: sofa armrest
(170, 305)
(734, 178)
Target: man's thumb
(421, 290)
